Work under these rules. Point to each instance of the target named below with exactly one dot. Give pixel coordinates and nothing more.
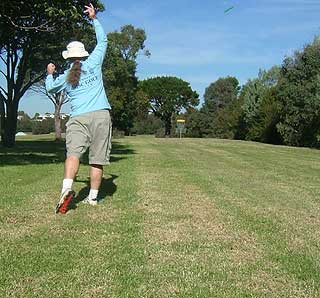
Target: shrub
(43, 127)
(117, 134)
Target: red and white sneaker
(65, 201)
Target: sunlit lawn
(180, 218)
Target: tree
(220, 108)
(36, 115)
(260, 107)
(58, 100)
(268, 118)
(299, 96)
(120, 74)
(195, 123)
(168, 96)
(31, 33)
(262, 125)
(45, 126)
(254, 90)
(221, 93)
(24, 122)
(147, 125)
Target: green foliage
(36, 115)
(221, 110)
(117, 134)
(263, 126)
(40, 30)
(299, 95)
(230, 120)
(24, 125)
(195, 123)
(43, 127)
(221, 93)
(160, 133)
(24, 122)
(168, 96)
(147, 125)
(254, 90)
(260, 107)
(33, 33)
(120, 75)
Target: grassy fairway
(180, 218)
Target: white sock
(66, 184)
(93, 194)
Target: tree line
(38, 126)
(280, 106)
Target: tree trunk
(9, 130)
(168, 127)
(2, 117)
(57, 122)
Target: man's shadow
(107, 189)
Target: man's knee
(95, 166)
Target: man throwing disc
(90, 123)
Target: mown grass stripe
(302, 265)
(183, 261)
(181, 218)
(90, 252)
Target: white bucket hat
(75, 49)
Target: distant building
(64, 115)
(46, 116)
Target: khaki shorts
(90, 130)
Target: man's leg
(71, 167)
(96, 173)
(77, 142)
(99, 153)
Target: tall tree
(220, 108)
(299, 95)
(31, 33)
(58, 100)
(168, 96)
(260, 107)
(195, 123)
(221, 93)
(254, 90)
(120, 74)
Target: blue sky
(198, 42)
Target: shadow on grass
(33, 152)
(107, 189)
(48, 152)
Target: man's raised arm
(97, 56)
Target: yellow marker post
(181, 125)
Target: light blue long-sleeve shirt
(90, 94)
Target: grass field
(180, 218)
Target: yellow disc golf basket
(181, 126)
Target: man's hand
(90, 11)
(51, 68)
